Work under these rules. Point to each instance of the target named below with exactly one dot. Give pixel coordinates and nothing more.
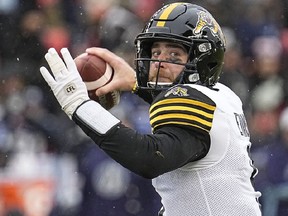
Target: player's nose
(157, 64)
(163, 56)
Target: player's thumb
(104, 90)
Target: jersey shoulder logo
(177, 91)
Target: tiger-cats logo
(177, 91)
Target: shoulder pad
(182, 105)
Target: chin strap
(159, 85)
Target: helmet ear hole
(193, 78)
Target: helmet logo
(177, 91)
(205, 20)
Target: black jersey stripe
(183, 123)
(185, 101)
(182, 111)
(181, 118)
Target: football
(95, 72)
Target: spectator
(275, 193)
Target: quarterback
(198, 153)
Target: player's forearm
(130, 150)
(146, 155)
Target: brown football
(95, 72)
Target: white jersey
(218, 184)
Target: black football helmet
(194, 28)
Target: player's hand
(124, 75)
(66, 83)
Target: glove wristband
(96, 117)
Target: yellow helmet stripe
(167, 11)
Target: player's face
(167, 51)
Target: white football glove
(67, 84)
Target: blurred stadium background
(49, 168)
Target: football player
(198, 154)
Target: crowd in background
(49, 168)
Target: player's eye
(155, 53)
(175, 57)
(174, 54)
(170, 54)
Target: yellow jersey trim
(183, 100)
(182, 111)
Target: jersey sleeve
(182, 105)
(180, 120)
